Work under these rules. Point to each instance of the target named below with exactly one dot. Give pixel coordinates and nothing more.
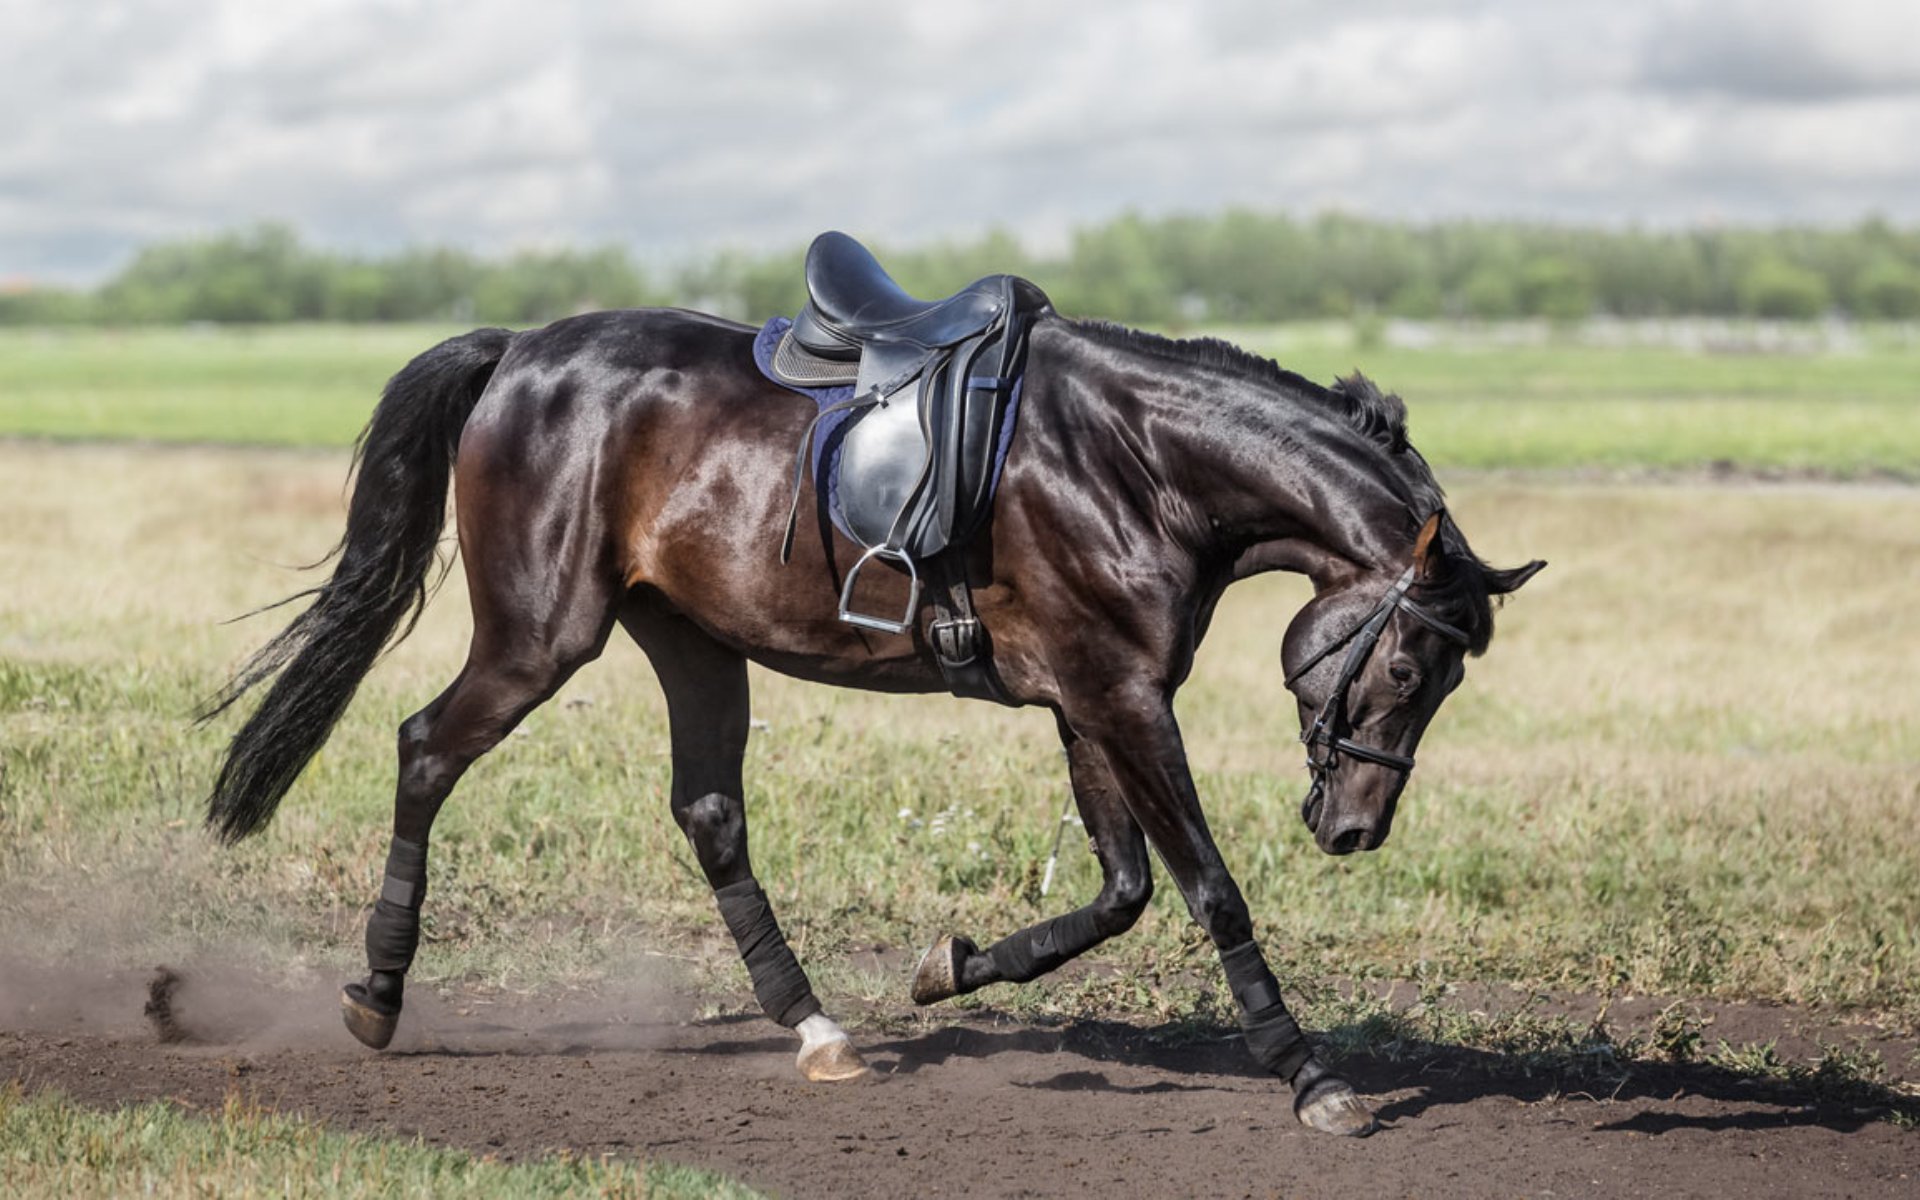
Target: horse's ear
(1429, 556)
(1500, 583)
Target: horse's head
(1370, 663)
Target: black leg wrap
(778, 982)
(393, 932)
(1273, 1037)
(1038, 949)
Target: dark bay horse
(633, 468)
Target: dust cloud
(91, 952)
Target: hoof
(937, 977)
(831, 1061)
(1332, 1106)
(373, 1027)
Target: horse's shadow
(1421, 1077)
(1647, 1096)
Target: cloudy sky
(681, 126)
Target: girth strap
(959, 639)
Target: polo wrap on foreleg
(1033, 952)
(1273, 1037)
(778, 982)
(393, 932)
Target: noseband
(1325, 730)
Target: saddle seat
(852, 302)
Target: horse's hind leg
(707, 706)
(517, 660)
(953, 966)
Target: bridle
(1325, 731)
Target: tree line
(1235, 267)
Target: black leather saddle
(932, 382)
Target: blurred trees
(266, 274)
(1774, 287)
(1239, 266)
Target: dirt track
(973, 1107)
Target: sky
(679, 128)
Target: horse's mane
(1381, 417)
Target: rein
(1324, 732)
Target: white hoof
(831, 1062)
(826, 1053)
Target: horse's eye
(1402, 674)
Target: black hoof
(366, 1018)
(938, 976)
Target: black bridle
(1325, 733)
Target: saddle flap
(883, 463)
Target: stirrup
(882, 624)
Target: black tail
(403, 461)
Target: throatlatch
(778, 982)
(393, 932)
(1273, 1037)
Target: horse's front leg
(954, 966)
(1141, 743)
(707, 704)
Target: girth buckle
(956, 640)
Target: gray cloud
(1798, 52)
(370, 123)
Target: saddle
(922, 437)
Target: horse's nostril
(1349, 840)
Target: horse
(632, 468)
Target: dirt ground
(964, 1104)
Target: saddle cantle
(934, 384)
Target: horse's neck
(1265, 475)
(1294, 485)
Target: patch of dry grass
(1686, 766)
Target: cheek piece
(1326, 737)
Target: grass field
(58, 1149)
(1686, 768)
(1549, 406)
(1683, 769)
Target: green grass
(53, 1147)
(272, 385)
(1554, 406)
(1564, 405)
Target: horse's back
(646, 445)
(592, 389)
